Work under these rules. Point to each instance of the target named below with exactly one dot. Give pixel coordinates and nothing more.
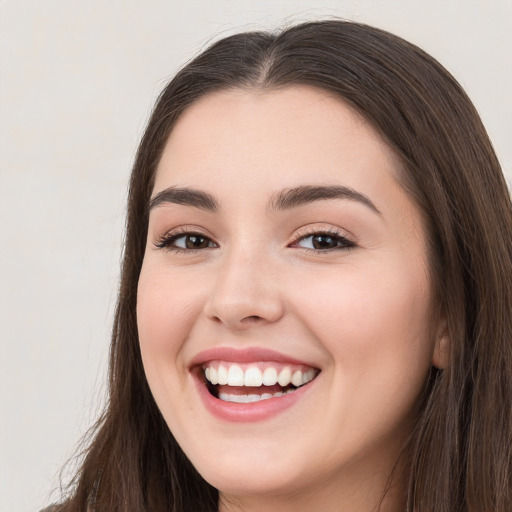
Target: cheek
(165, 313)
(375, 325)
(377, 332)
(166, 309)
(368, 302)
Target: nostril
(246, 319)
(251, 319)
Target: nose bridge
(245, 288)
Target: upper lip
(245, 355)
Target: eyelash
(344, 243)
(166, 242)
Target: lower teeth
(244, 399)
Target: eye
(324, 242)
(187, 241)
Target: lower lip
(253, 411)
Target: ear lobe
(441, 354)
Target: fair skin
(332, 283)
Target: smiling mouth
(246, 383)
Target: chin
(252, 483)
(253, 474)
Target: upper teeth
(234, 375)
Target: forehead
(284, 135)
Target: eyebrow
(299, 196)
(185, 196)
(284, 200)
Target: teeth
(285, 377)
(245, 399)
(297, 378)
(234, 375)
(269, 377)
(222, 375)
(253, 377)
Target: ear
(441, 354)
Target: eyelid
(165, 241)
(312, 230)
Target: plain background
(77, 81)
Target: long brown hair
(459, 456)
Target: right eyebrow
(185, 196)
(299, 196)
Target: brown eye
(195, 242)
(325, 242)
(185, 242)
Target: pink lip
(250, 412)
(246, 355)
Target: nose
(246, 292)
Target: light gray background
(77, 81)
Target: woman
(315, 307)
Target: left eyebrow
(299, 196)
(185, 196)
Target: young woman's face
(284, 304)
